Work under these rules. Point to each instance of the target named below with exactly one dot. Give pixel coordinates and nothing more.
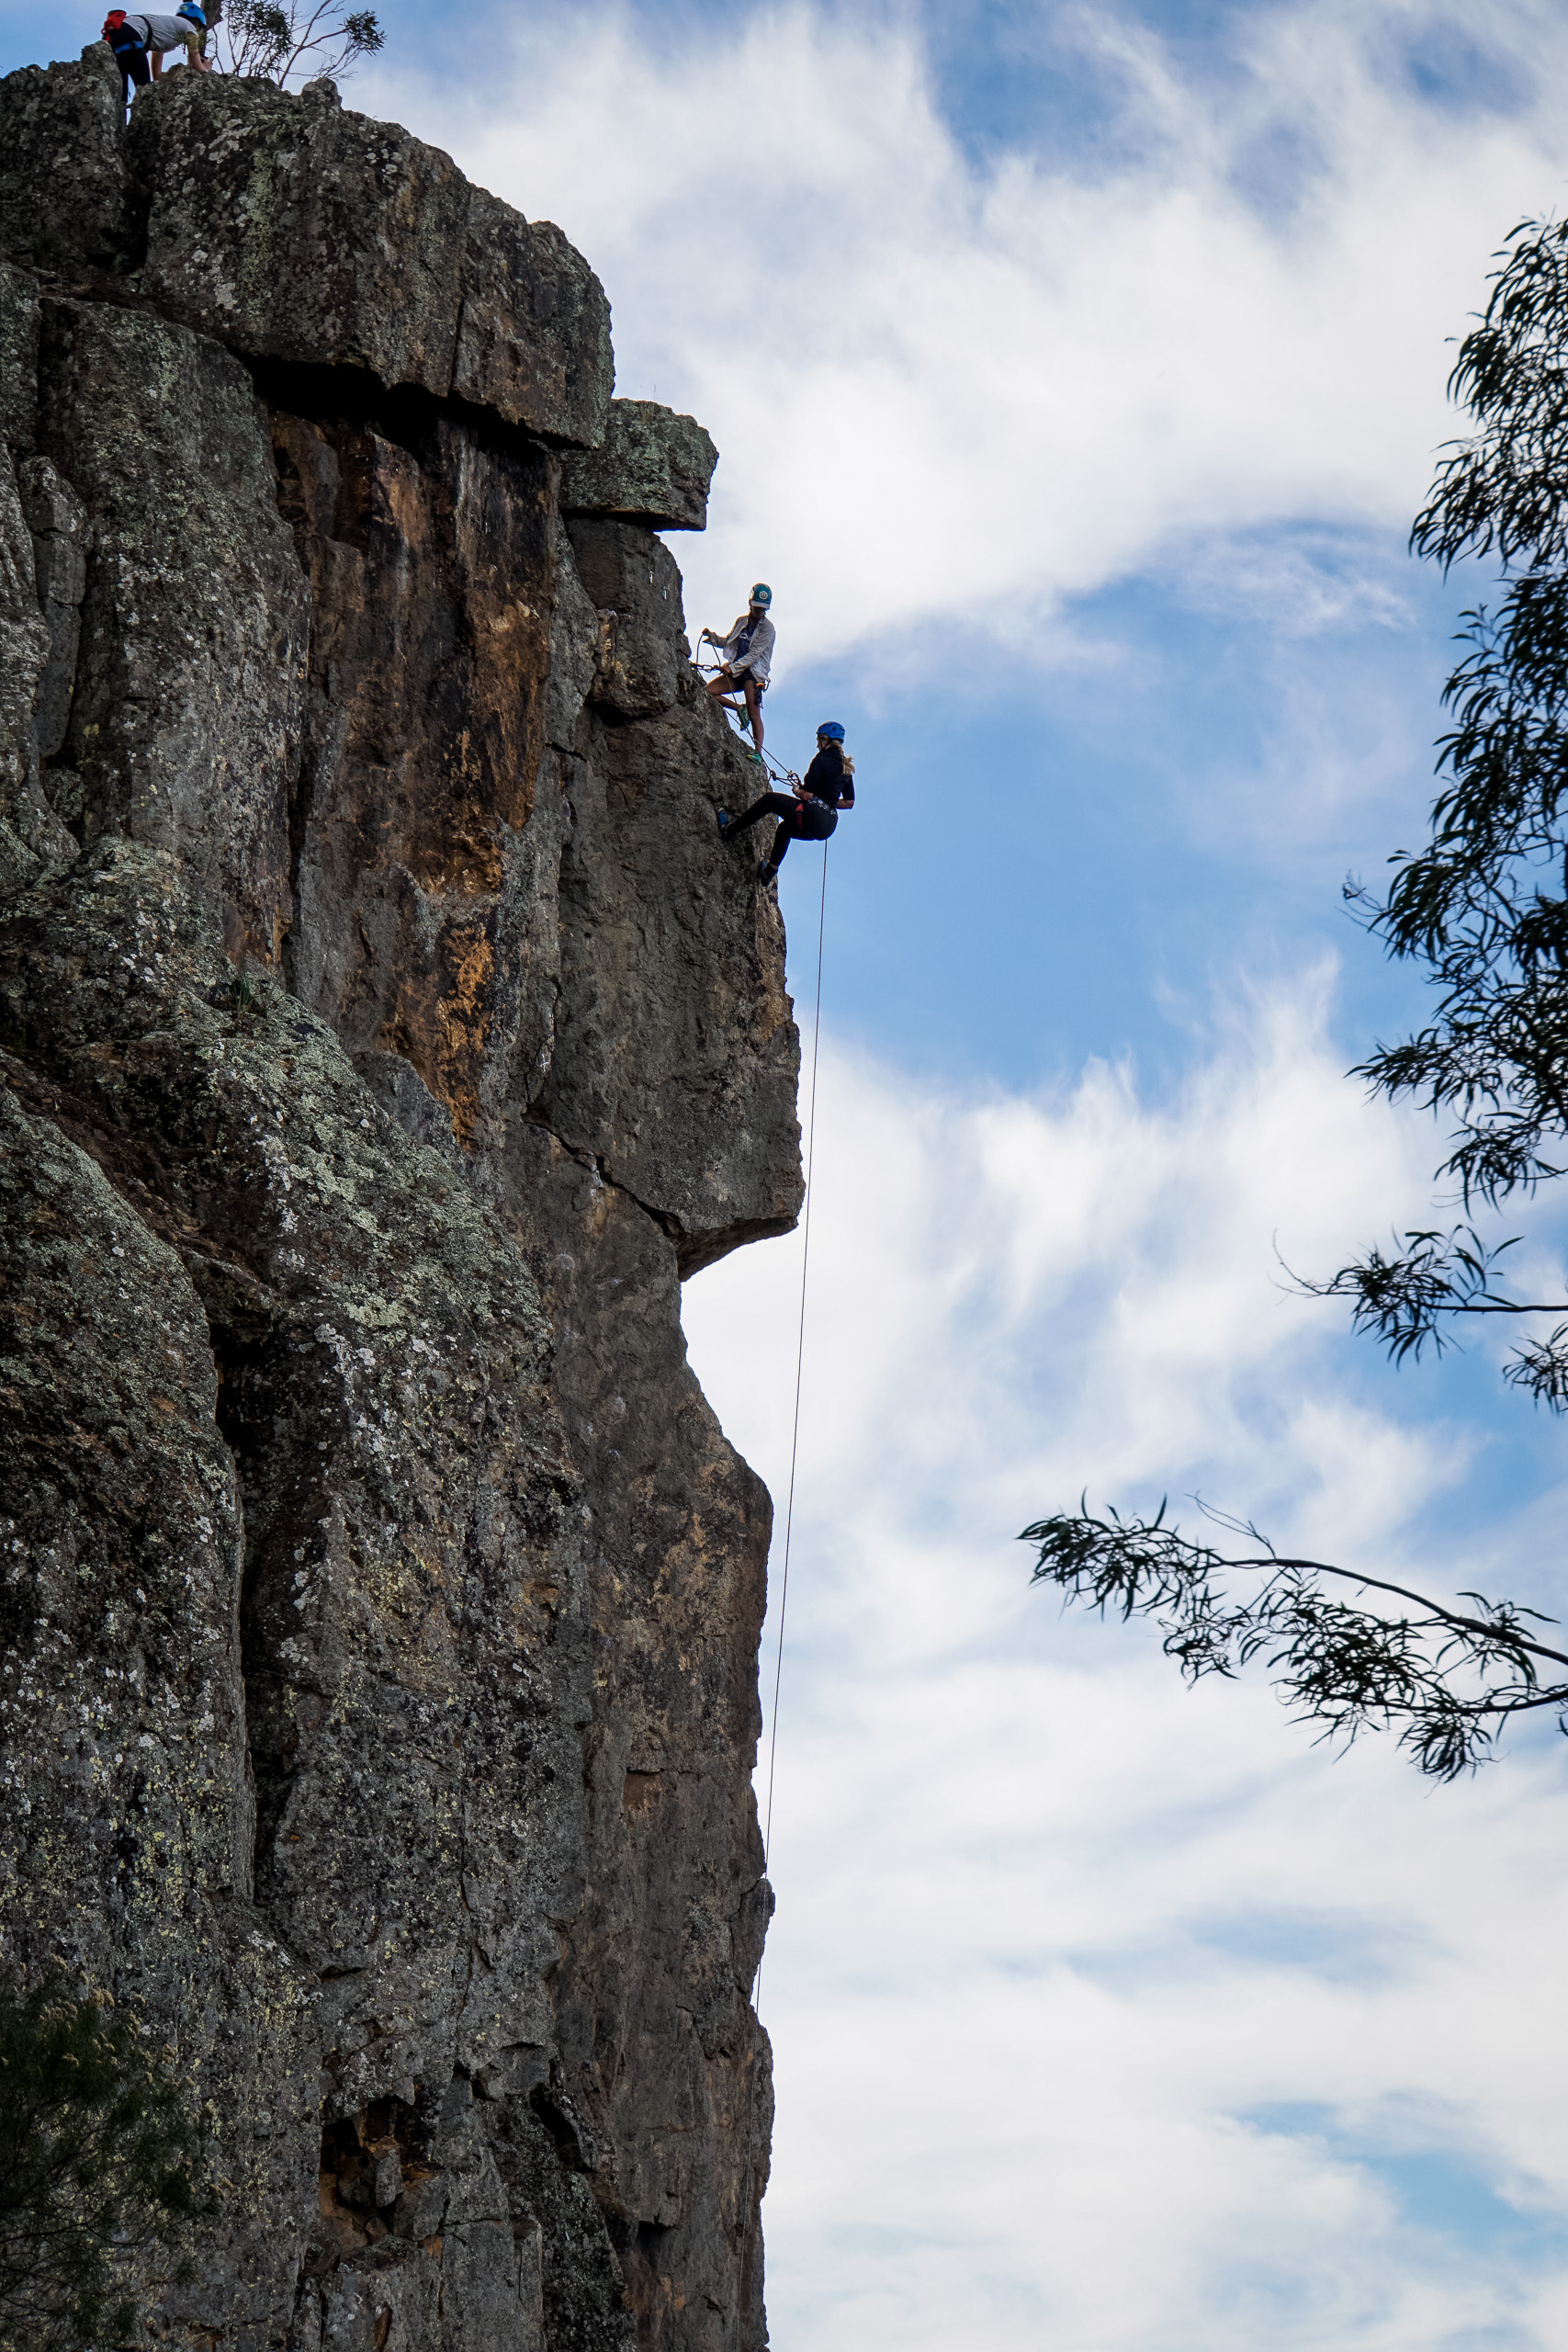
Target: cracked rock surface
(384, 1034)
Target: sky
(1077, 371)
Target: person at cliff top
(748, 653)
(812, 813)
(136, 39)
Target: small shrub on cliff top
(96, 2168)
(294, 41)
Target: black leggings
(131, 56)
(799, 820)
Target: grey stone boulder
(123, 1532)
(24, 642)
(676, 1902)
(57, 521)
(19, 359)
(184, 718)
(404, 1765)
(635, 585)
(291, 228)
(24, 649)
(654, 467)
(534, 337)
(675, 1050)
(384, 1597)
(66, 198)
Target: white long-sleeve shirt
(163, 33)
(759, 658)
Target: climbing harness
(707, 666)
(130, 52)
(784, 1582)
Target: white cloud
(1061, 1945)
(1057, 1935)
(962, 390)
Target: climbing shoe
(724, 820)
(767, 873)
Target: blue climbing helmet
(830, 731)
(188, 8)
(761, 593)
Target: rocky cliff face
(384, 1034)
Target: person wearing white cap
(748, 653)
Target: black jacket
(825, 779)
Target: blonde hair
(849, 763)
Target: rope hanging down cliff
(784, 1583)
(799, 1366)
(710, 671)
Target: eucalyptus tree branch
(1484, 906)
(1446, 1679)
(1405, 1300)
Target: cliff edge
(384, 1034)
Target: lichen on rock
(384, 1034)
(653, 467)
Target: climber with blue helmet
(748, 654)
(141, 41)
(206, 15)
(812, 813)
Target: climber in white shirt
(141, 41)
(748, 653)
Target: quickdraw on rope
(784, 1581)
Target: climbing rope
(799, 1368)
(707, 666)
(784, 1582)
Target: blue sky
(1076, 372)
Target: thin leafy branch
(1484, 907)
(293, 41)
(1504, 490)
(1404, 1301)
(98, 2162)
(1445, 1680)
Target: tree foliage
(1446, 1679)
(1484, 906)
(97, 2163)
(293, 41)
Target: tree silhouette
(292, 42)
(1484, 906)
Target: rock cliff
(384, 1035)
